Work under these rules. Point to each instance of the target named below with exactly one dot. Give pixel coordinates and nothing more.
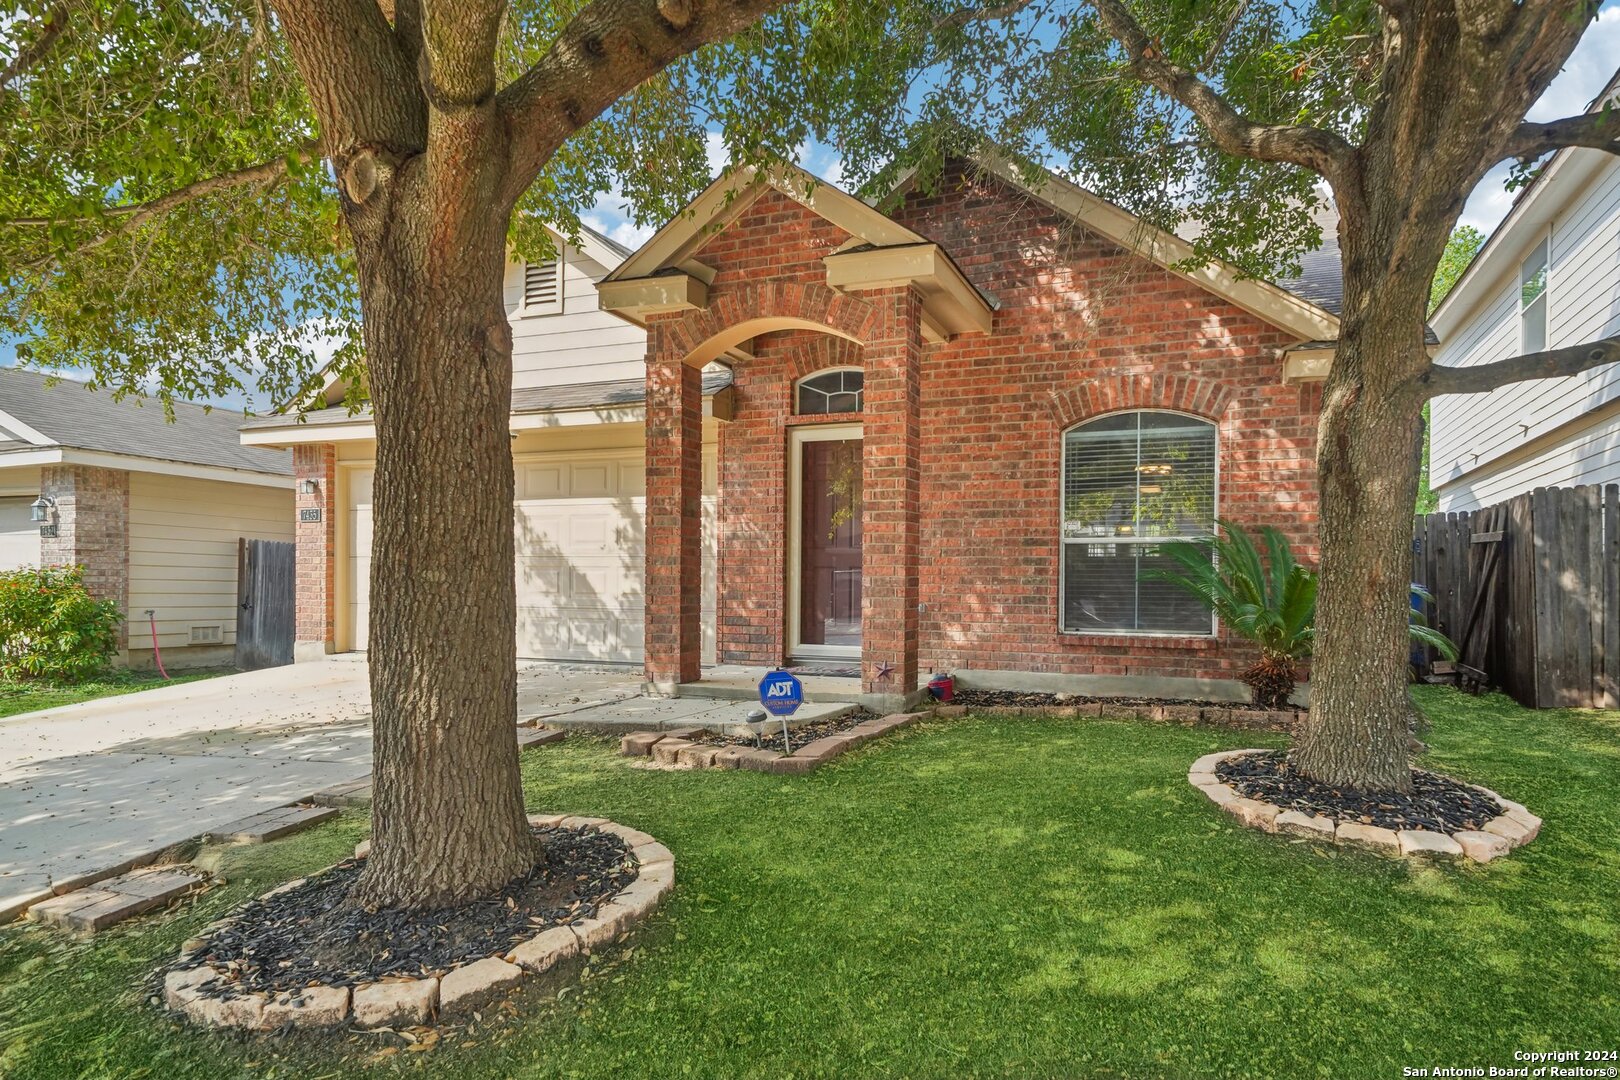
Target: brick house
(948, 436)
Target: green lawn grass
(26, 697)
(975, 898)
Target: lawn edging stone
(672, 750)
(1231, 717)
(1514, 827)
(195, 994)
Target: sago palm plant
(1270, 601)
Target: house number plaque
(309, 513)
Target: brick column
(92, 530)
(316, 633)
(890, 533)
(674, 576)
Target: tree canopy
(166, 219)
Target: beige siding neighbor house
(153, 510)
(1549, 277)
(578, 453)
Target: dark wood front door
(830, 546)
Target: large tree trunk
(447, 817)
(1371, 435)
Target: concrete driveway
(88, 787)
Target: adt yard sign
(781, 693)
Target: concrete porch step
(728, 682)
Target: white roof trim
(733, 192)
(33, 435)
(67, 455)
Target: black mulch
(803, 735)
(314, 935)
(1437, 803)
(981, 699)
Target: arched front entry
(818, 532)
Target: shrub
(1270, 600)
(51, 628)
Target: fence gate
(1529, 589)
(264, 596)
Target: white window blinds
(1130, 482)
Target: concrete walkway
(86, 788)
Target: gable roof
(666, 275)
(1309, 310)
(38, 411)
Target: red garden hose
(157, 653)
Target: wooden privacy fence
(265, 583)
(1529, 589)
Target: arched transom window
(1130, 482)
(827, 392)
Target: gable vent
(542, 287)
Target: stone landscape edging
(1515, 827)
(672, 748)
(406, 1002)
(1284, 721)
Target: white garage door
(19, 536)
(580, 557)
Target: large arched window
(1131, 481)
(826, 392)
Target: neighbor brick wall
(316, 616)
(1082, 328)
(92, 513)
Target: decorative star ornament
(884, 670)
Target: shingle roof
(73, 415)
(616, 393)
(1321, 276)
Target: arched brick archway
(739, 314)
(880, 331)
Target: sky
(1584, 76)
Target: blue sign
(781, 693)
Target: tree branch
(1598, 130)
(47, 30)
(363, 88)
(964, 16)
(1551, 364)
(1317, 149)
(606, 49)
(134, 216)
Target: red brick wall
(674, 578)
(92, 516)
(1082, 328)
(316, 615)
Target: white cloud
(1589, 69)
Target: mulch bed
(803, 735)
(1436, 804)
(313, 934)
(984, 699)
